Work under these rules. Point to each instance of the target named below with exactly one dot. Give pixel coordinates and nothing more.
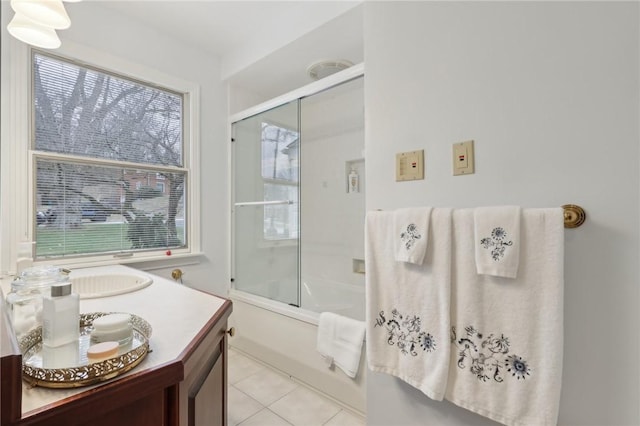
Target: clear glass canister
(25, 298)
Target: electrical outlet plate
(463, 158)
(410, 165)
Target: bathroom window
(280, 155)
(111, 176)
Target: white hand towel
(497, 232)
(407, 305)
(340, 341)
(506, 354)
(412, 234)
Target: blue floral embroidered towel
(412, 234)
(497, 240)
(507, 339)
(407, 305)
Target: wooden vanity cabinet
(203, 391)
(189, 391)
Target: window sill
(147, 263)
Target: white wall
(300, 20)
(549, 92)
(102, 30)
(284, 69)
(94, 26)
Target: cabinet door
(151, 410)
(207, 396)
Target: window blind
(109, 162)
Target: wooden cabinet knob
(232, 331)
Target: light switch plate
(463, 158)
(410, 165)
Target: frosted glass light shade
(50, 13)
(32, 33)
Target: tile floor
(261, 396)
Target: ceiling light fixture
(35, 22)
(50, 13)
(325, 68)
(30, 32)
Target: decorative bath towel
(507, 335)
(497, 232)
(412, 234)
(407, 305)
(340, 341)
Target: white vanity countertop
(176, 314)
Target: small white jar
(112, 328)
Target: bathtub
(321, 295)
(284, 336)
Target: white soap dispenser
(353, 181)
(60, 316)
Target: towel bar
(574, 216)
(263, 203)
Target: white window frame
(17, 167)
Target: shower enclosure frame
(349, 74)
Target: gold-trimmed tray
(68, 366)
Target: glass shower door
(333, 200)
(266, 204)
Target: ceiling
(264, 46)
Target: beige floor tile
(266, 386)
(302, 407)
(240, 406)
(241, 367)
(265, 417)
(345, 418)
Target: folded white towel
(497, 248)
(506, 358)
(340, 341)
(412, 234)
(407, 305)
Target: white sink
(103, 285)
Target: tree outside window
(280, 175)
(102, 144)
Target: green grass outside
(87, 239)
